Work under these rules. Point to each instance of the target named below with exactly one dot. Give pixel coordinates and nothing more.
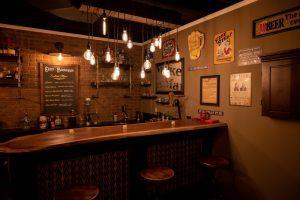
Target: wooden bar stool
(212, 164)
(80, 192)
(156, 176)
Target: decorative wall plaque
(249, 56)
(278, 22)
(224, 47)
(168, 48)
(210, 90)
(240, 89)
(196, 43)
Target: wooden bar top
(69, 137)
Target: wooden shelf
(9, 58)
(148, 97)
(145, 85)
(111, 65)
(111, 84)
(162, 102)
(9, 82)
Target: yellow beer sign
(195, 42)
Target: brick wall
(34, 49)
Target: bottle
(9, 75)
(26, 122)
(88, 120)
(57, 121)
(115, 117)
(43, 122)
(52, 121)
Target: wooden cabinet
(281, 84)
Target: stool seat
(214, 162)
(157, 174)
(82, 192)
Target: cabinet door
(280, 81)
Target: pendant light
(88, 53)
(143, 74)
(152, 47)
(104, 23)
(177, 54)
(129, 44)
(93, 60)
(156, 42)
(166, 72)
(116, 73)
(124, 34)
(147, 64)
(60, 57)
(160, 42)
(107, 55)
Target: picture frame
(173, 84)
(240, 93)
(210, 90)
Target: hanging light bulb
(129, 44)
(107, 55)
(177, 55)
(160, 41)
(92, 60)
(125, 35)
(87, 54)
(104, 25)
(152, 47)
(143, 74)
(147, 64)
(167, 73)
(60, 57)
(116, 73)
(156, 42)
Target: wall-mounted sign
(224, 47)
(168, 48)
(278, 22)
(197, 68)
(211, 112)
(240, 89)
(59, 89)
(176, 81)
(249, 56)
(195, 42)
(210, 90)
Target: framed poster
(195, 43)
(210, 90)
(249, 56)
(59, 89)
(224, 47)
(276, 23)
(168, 48)
(176, 81)
(240, 89)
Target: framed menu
(59, 89)
(175, 83)
(210, 90)
(240, 89)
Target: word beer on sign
(175, 82)
(59, 89)
(278, 22)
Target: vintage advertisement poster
(279, 22)
(168, 48)
(249, 56)
(195, 43)
(240, 89)
(224, 47)
(209, 86)
(176, 81)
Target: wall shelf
(9, 58)
(111, 65)
(111, 84)
(148, 97)
(9, 82)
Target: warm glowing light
(107, 55)
(156, 42)
(166, 72)
(160, 41)
(177, 55)
(147, 64)
(125, 35)
(116, 73)
(129, 44)
(104, 26)
(87, 54)
(92, 60)
(152, 47)
(60, 57)
(143, 74)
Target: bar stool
(80, 192)
(156, 176)
(212, 164)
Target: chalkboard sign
(59, 89)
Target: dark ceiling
(64, 15)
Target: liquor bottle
(88, 120)
(57, 121)
(52, 121)
(26, 122)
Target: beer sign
(279, 22)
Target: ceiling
(64, 15)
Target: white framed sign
(240, 89)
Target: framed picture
(175, 83)
(240, 89)
(168, 48)
(210, 90)
(224, 47)
(279, 22)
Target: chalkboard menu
(59, 89)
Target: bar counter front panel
(111, 157)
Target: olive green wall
(265, 151)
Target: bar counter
(111, 157)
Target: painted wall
(34, 49)
(265, 151)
